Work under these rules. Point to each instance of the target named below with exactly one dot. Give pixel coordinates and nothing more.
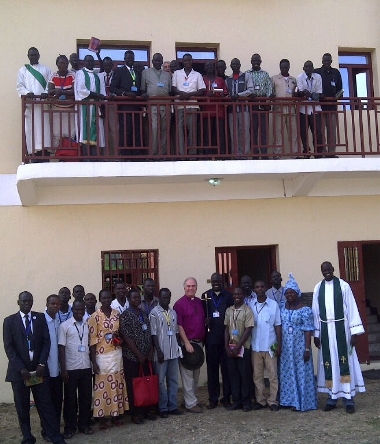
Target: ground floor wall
(45, 248)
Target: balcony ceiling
(139, 182)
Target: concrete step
(373, 327)
(374, 349)
(372, 319)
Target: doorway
(359, 264)
(258, 262)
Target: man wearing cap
(191, 327)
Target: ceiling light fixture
(214, 181)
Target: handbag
(68, 148)
(145, 388)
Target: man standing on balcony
(262, 87)
(155, 82)
(337, 326)
(309, 85)
(284, 115)
(239, 85)
(88, 88)
(187, 83)
(32, 81)
(331, 89)
(126, 82)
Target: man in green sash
(88, 88)
(337, 325)
(32, 81)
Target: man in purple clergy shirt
(191, 326)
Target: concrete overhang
(81, 183)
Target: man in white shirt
(277, 292)
(187, 83)
(120, 303)
(266, 347)
(74, 357)
(309, 85)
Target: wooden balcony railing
(206, 129)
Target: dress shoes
(247, 408)
(329, 407)
(195, 409)
(234, 406)
(258, 406)
(164, 415)
(176, 412)
(274, 407)
(212, 405)
(350, 408)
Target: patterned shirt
(164, 325)
(132, 327)
(262, 85)
(99, 327)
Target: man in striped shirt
(164, 328)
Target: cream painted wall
(275, 29)
(45, 248)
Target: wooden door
(351, 270)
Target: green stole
(340, 332)
(86, 111)
(37, 75)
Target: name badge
(185, 83)
(235, 332)
(81, 348)
(332, 82)
(160, 84)
(214, 85)
(108, 336)
(170, 333)
(144, 327)
(216, 314)
(290, 329)
(289, 91)
(257, 87)
(134, 88)
(62, 97)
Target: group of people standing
(124, 126)
(98, 352)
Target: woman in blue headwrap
(297, 383)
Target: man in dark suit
(126, 81)
(27, 344)
(216, 301)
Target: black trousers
(77, 392)
(240, 373)
(314, 122)
(259, 131)
(44, 405)
(56, 394)
(216, 356)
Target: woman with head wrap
(297, 383)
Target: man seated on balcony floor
(32, 81)
(89, 87)
(155, 82)
(309, 85)
(187, 83)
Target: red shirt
(213, 110)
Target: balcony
(245, 143)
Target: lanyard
(235, 318)
(80, 337)
(167, 317)
(158, 75)
(274, 297)
(290, 315)
(133, 75)
(216, 304)
(309, 83)
(261, 309)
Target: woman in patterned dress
(61, 87)
(297, 382)
(110, 392)
(137, 349)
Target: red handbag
(145, 388)
(68, 148)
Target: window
(201, 53)
(356, 71)
(116, 51)
(132, 266)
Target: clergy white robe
(353, 326)
(81, 93)
(36, 127)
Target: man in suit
(27, 344)
(126, 81)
